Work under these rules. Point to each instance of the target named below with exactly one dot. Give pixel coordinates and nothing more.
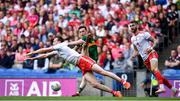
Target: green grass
(86, 98)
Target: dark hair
(60, 39)
(80, 27)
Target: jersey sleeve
(60, 45)
(147, 35)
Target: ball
(56, 86)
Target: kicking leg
(96, 68)
(92, 80)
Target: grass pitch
(86, 98)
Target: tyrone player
(85, 63)
(141, 42)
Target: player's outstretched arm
(42, 50)
(80, 41)
(41, 56)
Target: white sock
(161, 86)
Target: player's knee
(154, 64)
(154, 69)
(154, 61)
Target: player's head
(57, 40)
(133, 26)
(82, 30)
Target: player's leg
(157, 74)
(81, 86)
(92, 80)
(162, 80)
(96, 68)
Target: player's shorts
(147, 61)
(85, 64)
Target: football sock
(112, 92)
(158, 76)
(166, 82)
(123, 81)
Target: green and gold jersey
(92, 47)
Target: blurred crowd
(27, 25)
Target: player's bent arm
(42, 50)
(155, 42)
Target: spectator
(6, 59)
(14, 45)
(56, 62)
(172, 22)
(178, 55)
(43, 35)
(164, 27)
(108, 61)
(109, 22)
(62, 22)
(41, 64)
(103, 55)
(43, 17)
(20, 57)
(122, 64)
(33, 18)
(172, 62)
(75, 10)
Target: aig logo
(14, 87)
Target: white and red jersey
(66, 53)
(142, 43)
